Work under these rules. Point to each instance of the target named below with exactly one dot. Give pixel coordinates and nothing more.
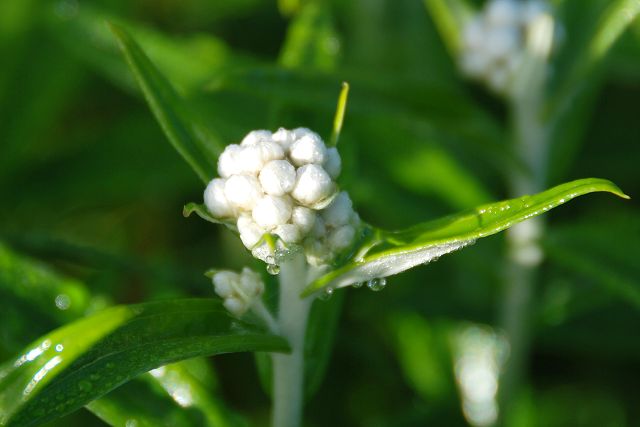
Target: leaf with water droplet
(384, 253)
(118, 344)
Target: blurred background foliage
(92, 193)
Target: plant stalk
(531, 141)
(288, 369)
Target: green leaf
(311, 39)
(385, 253)
(84, 360)
(189, 138)
(201, 211)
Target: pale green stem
(288, 369)
(524, 251)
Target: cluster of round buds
(239, 290)
(283, 184)
(493, 42)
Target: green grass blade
(191, 140)
(449, 17)
(84, 360)
(389, 253)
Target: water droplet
(377, 284)
(270, 259)
(435, 258)
(85, 385)
(358, 285)
(326, 294)
(273, 269)
(63, 301)
(59, 347)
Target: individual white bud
(243, 191)
(228, 163)
(304, 218)
(531, 9)
(215, 199)
(251, 283)
(235, 306)
(277, 177)
(255, 137)
(473, 34)
(502, 12)
(224, 283)
(475, 63)
(499, 79)
(289, 233)
(319, 228)
(340, 238)
(332, 162)
(317, 252)
(339, 211)
(502, 43)
(250, 232)
(308, 149)
(249, 160)
(300, 132)
(285, 138)
(313, 184)
(271, 211)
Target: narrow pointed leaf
(192, 140)
(387, 253)
(84, 360)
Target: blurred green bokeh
(90, 187)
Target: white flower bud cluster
(239, 291)
(493, 42)
(283, 183)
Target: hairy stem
(288, 369)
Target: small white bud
(300, 132)
(289, 233)
(277, 177)
(502, 42)
(228, 161)
(332, 162)
(243, 191)
(223, 282)
(317, 253)
(339, 211)
(249, 160)
(341, 237)
(235, 306)
(250, 232)
(308, 149)
(251, 283)
(319, 228)
(473, 34)
(215, 199)
(256, 136)
(271, 211)
(285, 138)
(475, 63)
(313, 184)
(304, 218)
(502, 13)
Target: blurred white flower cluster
(238, 290)
(283, 184)
(494, 41)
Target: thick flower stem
(288, 369)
